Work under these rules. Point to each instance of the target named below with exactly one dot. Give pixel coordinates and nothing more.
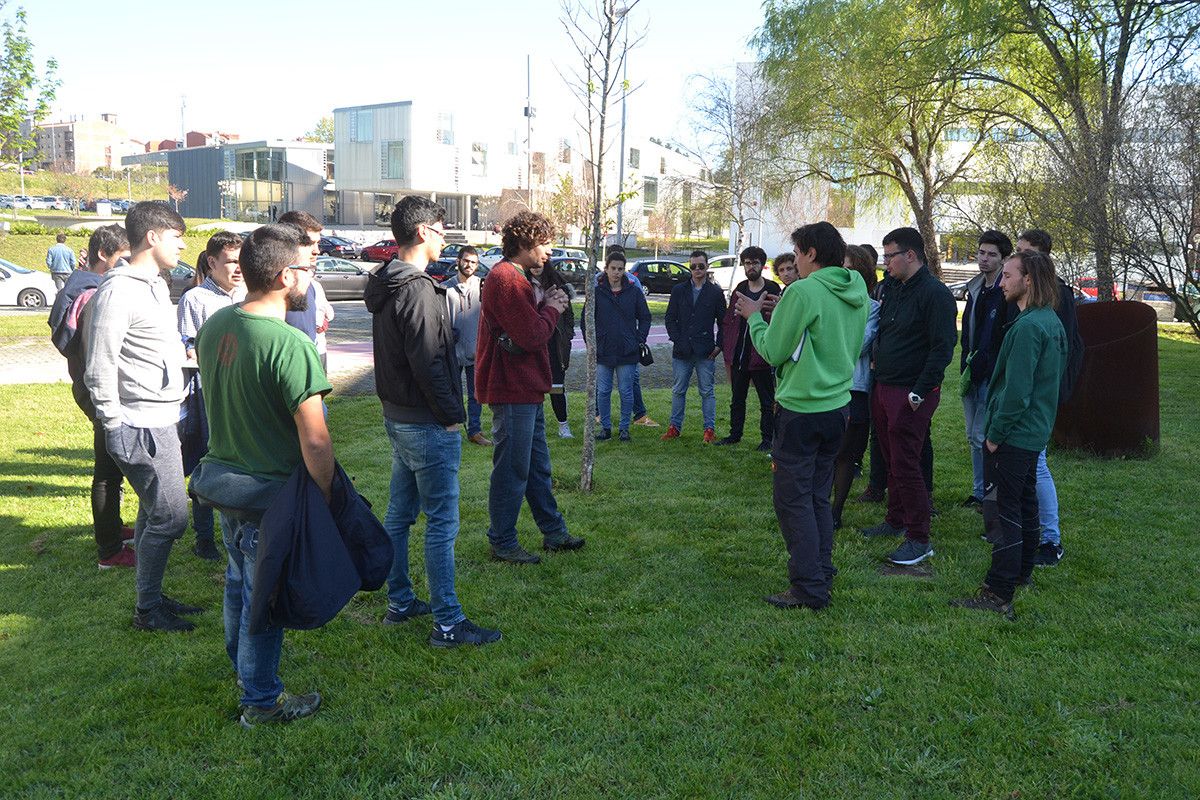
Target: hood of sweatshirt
(844, 284)
(384, 282)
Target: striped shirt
(200, 303)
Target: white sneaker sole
(916, 560)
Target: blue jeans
(682, 369)
(474, 409)
(604, 385)
(520, 470)
(639, 405)
(425, 462)
(255, 657)
(975, 411)
(1047, 497)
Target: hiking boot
(911, 552)
(882, 529)
(564, 541)
(564, 431)
(786, 599)
(160, 618)
(125, 557)
(986, 600)
(710, 436)
(287, 708)
(206, 549)
(465, 632)
(625, 437)
(726, 440)
(417, 608)
(672, 433)
(604, 434)
(479, 439)
(514, 555)
(645, 421)
(764, 447)
(871, 495)
(176, 607)
(1048, 555)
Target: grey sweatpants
(151, 460)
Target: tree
(569, 207)
(177, 195)
(77, 188)
(25, 91)
(599, 33)
(321, 132)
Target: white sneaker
(564, 430)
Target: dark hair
(872, 251)
(861, 262)
(467, 250)
(998, 238)
(525, 231)
(1043, 288)
(614, 255)
(151, 215)
(784, 258)
(907, 239)
(202, 264)
(754, 253)
(411, 213)
(551, 277)
(302, 219)
(825, 240)
(1038, 238)
(107, 239)
(616, 248)
(221, 241)
(60, 238)
(699, 254)
(268, 251)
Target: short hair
(784, 258)
(467, 250)
(615, 255)
(151, 215)
(411, 213)
(304, 220)
(1043, 285)
(220, 242)
(1038, 238)
(907, 239)
(267, 252)
(525, 231)
(60, 238)
(202, 268)
(862, 263)
(106, 239)
(699, 254)
(1000, 240)
(824, 239)
(754, 253)
(872, 251)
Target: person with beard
(742, 361)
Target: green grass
(29, 250)
(645, 665)
(23, 326)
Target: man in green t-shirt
(263, 385)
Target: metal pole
(529, 128)
(621, 168)
(129, 184)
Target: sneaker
(645, 421)
(465, 632)
(206, 549)
(726, 440)
(127, 535)
(479, 439)
(417, 608)
(176, 607)
(911, 552)
(562, 542)
(514, 555)
(883, 529)
(624, 437)
(871, 495)
(672, 433)
(1048, 555)
(564, 431)
(604, 435)
(710, 436)
(160, 619)
(972, 502)
(764, 447)
(786, 599)
(125, 557)
(986, 600)
(287, 708)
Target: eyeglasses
(305, 267)
(888, 256)
(439, 231)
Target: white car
(491, 257)
(25, 287)
(726, 272)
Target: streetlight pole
(621, 167)
(529, 112)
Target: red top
(507, 306)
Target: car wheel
(645, 290)
(31, 298)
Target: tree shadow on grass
(39, 470)
(84, 456)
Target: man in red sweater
(512, 375)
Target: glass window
(662, 166)
(635, 158)
(650, 192)
(362, 125)
(445, 129)
(479, 160)
(393, 160)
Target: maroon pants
(902, 434)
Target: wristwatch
(915, 398)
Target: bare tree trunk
(933, 250)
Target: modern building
(82, 145)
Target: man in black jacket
(914, 344)
(416, 378)
(696, 308)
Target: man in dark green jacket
(1022, 404)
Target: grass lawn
(29, 250)
(645, 665)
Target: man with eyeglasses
(313, 316)
(696, 308)
(915, 342)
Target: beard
(753, 274)
(297, 301)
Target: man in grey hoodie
(134, 372)
(462, 294)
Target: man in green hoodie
(1022, 403)
(813, 341)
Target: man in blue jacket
(694, 313)
(61, 261)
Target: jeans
(639, 405)
(1010, 516)
(474, 409)
(425, 461)
(903, 434)
(107, 487)
(803, 452)
(764, 387)
(1047, 497)
(60, 280)
(604, 386)
(255, 657)
(682, 369)
(202, 520)
(520, 470)
(975, 412)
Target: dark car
(341, 279)
(338, 247)
(443, 269)
(384, 250)
(660, 275)
(451, 251)
(574, 271)
(958, 289)
(180, 278)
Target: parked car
(7, 201)
(442, 269)
(567, 252)
(383, 250)
(56, 203)
(725, 271)
(25, 287)
(451, 251)
(338, 247)
(23, 201)
(491, 257)
(959, 289)
(660, 275)
(180, 278)
(1089, 286)
(342, 279)
(574, 271)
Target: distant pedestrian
(743, 363)
(61, 261)
(694, 312)
(622, 325)
(462, 293)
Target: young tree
(321, 132)
(569, 206)
(25, 91)
(177, 195)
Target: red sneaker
(125, 557)
(672, 433)
(710, 436)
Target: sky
(271, 70)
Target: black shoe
(763, 447)
(986, 600)
(728, 440)
(287, 708)
(1048, 555)
(465, 632)
(417, 608)
(206, 549)
(160, 619)
(870, 495)
(972, 502)
(882, 529)
(514, 555)
(786, 599)
(563, 542)
(625, 436)
(604, 435)
(176, 607)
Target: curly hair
(525, 231)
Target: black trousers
(1010, 516)
(764, 385)
(107, 488)
(802, 455)
(854, 445)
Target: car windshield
(11, 266)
